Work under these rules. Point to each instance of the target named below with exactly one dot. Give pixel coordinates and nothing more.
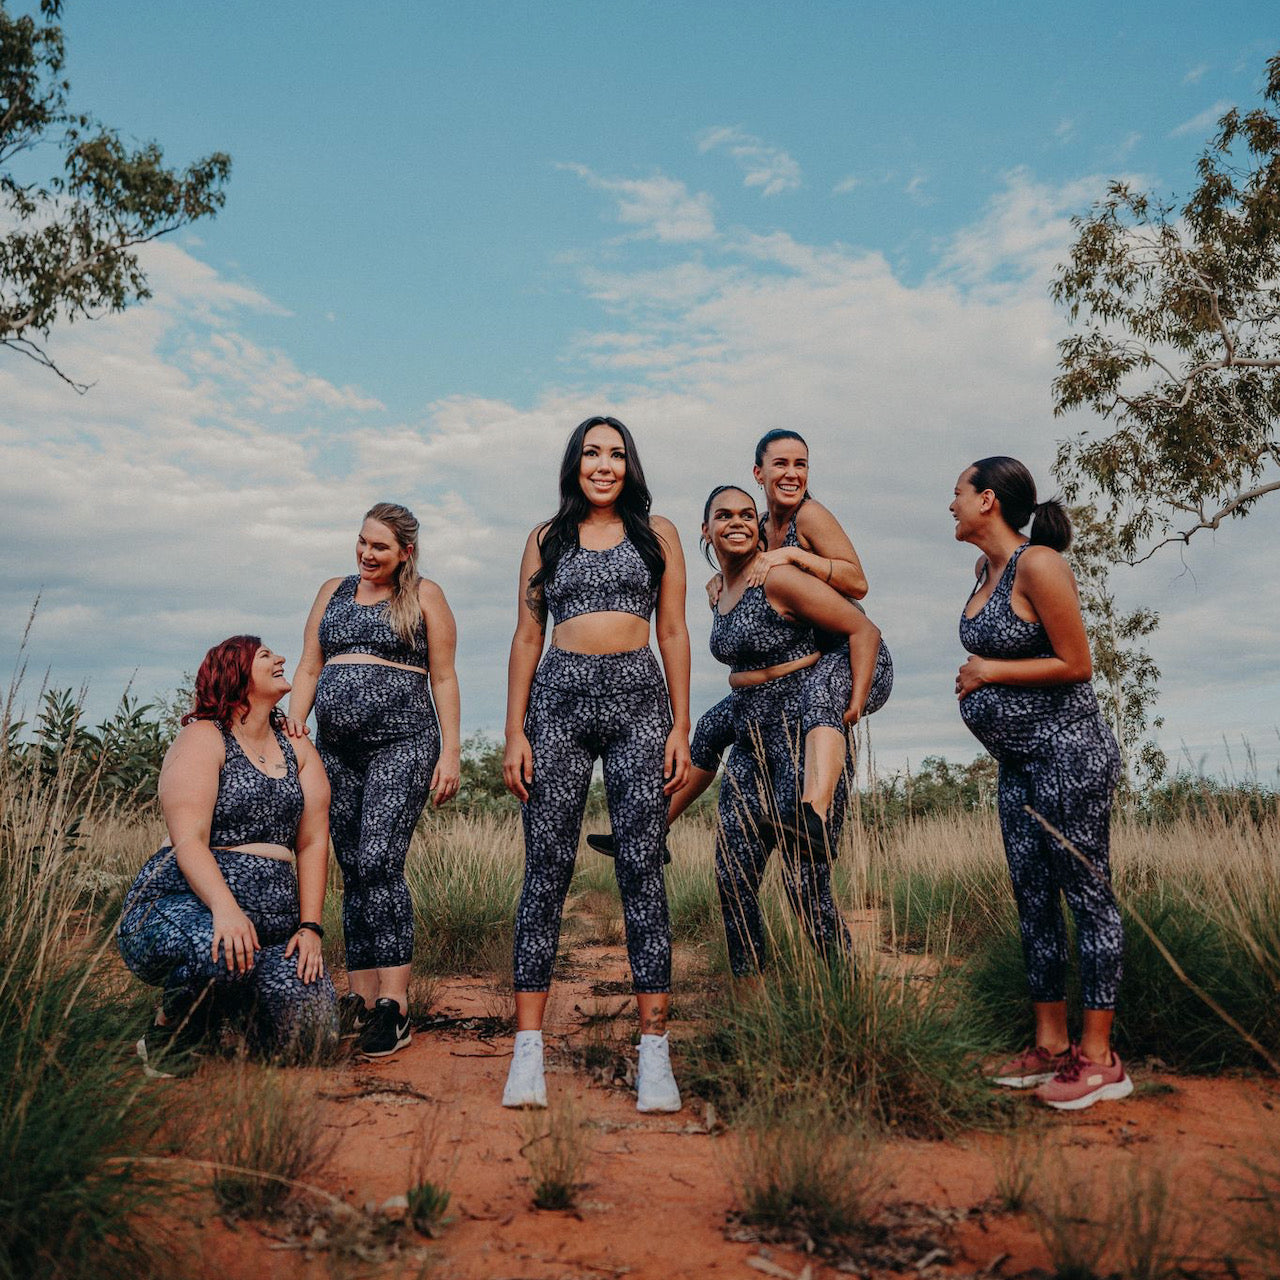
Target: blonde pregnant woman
(378, 645)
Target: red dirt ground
(657, 1191)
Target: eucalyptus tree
(71, 228)
(1176, 344)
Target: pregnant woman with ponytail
(1025, 693)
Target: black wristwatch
(318, 930)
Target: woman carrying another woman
(378, 645)
(1026, 695)
(220, 915)
(600, 567)
(764, 631)
(800, 532)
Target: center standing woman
(377, 645)
(600, 567)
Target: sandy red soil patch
(657, 1195)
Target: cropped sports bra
(615, 580)
(350, 627)
(754, 635)
(995, 631)
(252, 807)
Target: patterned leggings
(166, 938)
(1070, 783)
(582, 706)
(759, 796)
(379, 741)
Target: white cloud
(1065, 130)
(1196, 74)
(764, 166)
(845, 185)
(661, 207)
(207, 486)
(915, 189)
(1205, 121)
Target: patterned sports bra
(995, 631)
(350, 627)
(615, 580)
(253, 808)
(754, 635)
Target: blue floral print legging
(582, 707)
(166, 938)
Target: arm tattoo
(537, 605)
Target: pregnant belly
(1012, 720)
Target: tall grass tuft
(897, 1052)
(464, 876)
(430, 1173)
(72, 1111)
(555, 1145)
(268, 1141)
(805, 1165)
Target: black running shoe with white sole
(386, 1031)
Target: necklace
(257, 755)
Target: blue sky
(453, 230)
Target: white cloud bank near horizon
(207, 485)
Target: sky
(454, 231)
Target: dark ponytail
(1015, 490)
(1050, 525)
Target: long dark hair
(560, 535)
(706, 515)
(1015, 490)
(772, 437)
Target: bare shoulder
(537, 536)
(1043, 566)
(327, 588)
(430, 594)
(665, 530)
(306, 753)
(980, 566)
(812, 512)
(200, 740)
(785, 583)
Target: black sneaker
(353, 1014)
(606, 844)
(386, 1030)
(816, 835)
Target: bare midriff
(348, 659)
(601, 633)
(749, 679)
(259, 849)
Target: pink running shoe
(1080, 1083)
(1032, 1066)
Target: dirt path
(657, 1192)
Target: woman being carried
(1026, 696)
(764, 631)
(219, 916)
(377, 646)
(600, 567)
(799, 532)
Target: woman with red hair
(220, 915)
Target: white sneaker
(526, 1086)
(656, 1088)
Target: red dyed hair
(222, 683)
